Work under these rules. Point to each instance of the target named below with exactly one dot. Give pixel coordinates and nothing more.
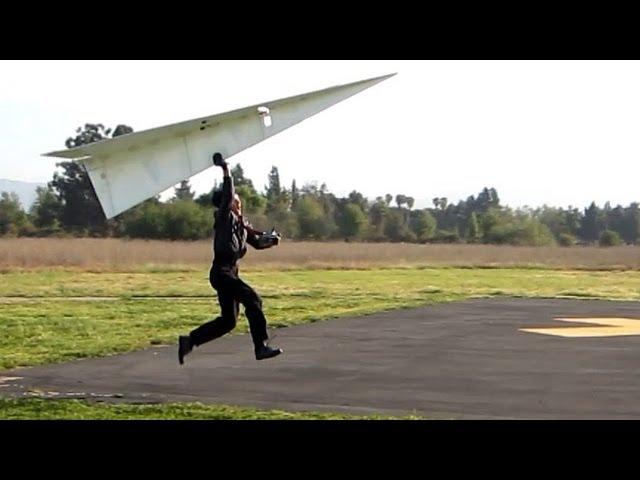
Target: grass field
(26, 409)
(54, 314)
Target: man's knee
(254, 302)
(257, 301)
(228, 322)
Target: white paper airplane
(131, 168)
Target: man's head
(236, 203)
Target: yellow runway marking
(606, 327)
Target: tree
(239, 180)
(615, 219)
(357, 198)
(396, 228)
(572, 221)
(495, 200)
(446, 236)
(404, 200)
(352, 222)
(273, 190)
(121, 130)
(278, 201)
(409, 201)
(185, 220)
(183, 191)
(328, 204)
(440, 203)
(487, 198)
(146, 220)
(295, 194)
(378, 213)
(519, 231)
(589, 230)
(205, 199)
(252, 202)
(46, 209)
(12, 218)
(566, 239)
(285, 221)
(631, 231)
(473, 229)
(422, 224)
(552, 218)
(92, 132)
(489, 220)
(311, 218)
(80, 206)
(609, 238)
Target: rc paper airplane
(131, 168)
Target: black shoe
(265, 351)
(184, 347)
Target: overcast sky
(560, 132)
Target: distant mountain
(25, 190)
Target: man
(232, 233)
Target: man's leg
(214, 329)
(221, 325)
(257, 321)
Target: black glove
(218, 160)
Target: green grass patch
(54, 316)
(41, 409)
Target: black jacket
(231, 237)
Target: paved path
(457, 360)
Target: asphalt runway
(463, 360)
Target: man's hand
(272, 239)
(219, 161)
(275, 235)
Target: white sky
(556, 132)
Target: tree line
(68, 206)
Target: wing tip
(384, 77)
(65, 154)
(372, 80)
(49, 154)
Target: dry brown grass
(118, 254)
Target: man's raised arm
(228, 190)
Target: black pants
(231, 293)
